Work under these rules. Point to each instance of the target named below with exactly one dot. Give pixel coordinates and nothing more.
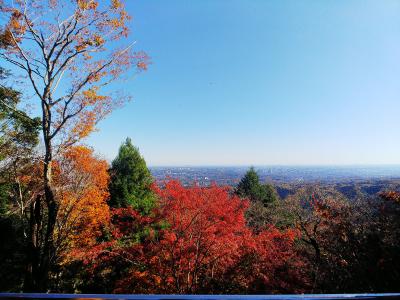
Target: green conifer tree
(250, 187)
(131, 180)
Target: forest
(71, 222)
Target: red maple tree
(196, 241)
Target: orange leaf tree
(67, 50)
(82, 181)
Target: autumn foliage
(83, 192)
(74, 44)
(391, 196)
(196, 241)
(73, 223)
(68, 51)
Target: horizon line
(270, 165)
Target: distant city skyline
(262, 83)
(279, 173)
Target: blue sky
(262, 82)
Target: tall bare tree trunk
(43, 215)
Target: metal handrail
(32, 296)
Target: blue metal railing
(39, 296)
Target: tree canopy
(131, 181)
(251, 188)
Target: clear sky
(263, 82)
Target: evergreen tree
(19, 135)
(131, 180)
(250, 187)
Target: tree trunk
(33, 247)
(41, 249)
